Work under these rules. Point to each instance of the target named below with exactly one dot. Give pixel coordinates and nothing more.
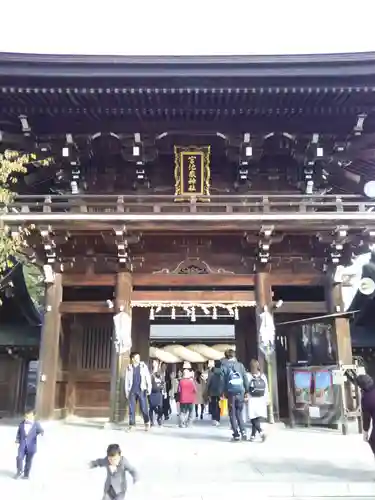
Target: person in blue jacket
(27, 438)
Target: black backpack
(157, 384)
(257, 387)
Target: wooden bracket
(123, 256)
(49, 244)
(264, 244)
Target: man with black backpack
(235, 388)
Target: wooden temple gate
(223, 180)
(77, 358)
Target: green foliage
(34, 280)
(13, 240)
(11, 164)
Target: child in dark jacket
(117, 466)
(27, 437)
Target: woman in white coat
(259, 399)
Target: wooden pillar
(120, 361)
(49, 351)
(341, 326)
(240, 332)
(75, 340)
(263, 295)
(343, 343)
(246, 337)
(141, 332)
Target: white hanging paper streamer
(123, 332)
(267, 332)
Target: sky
(194, 27)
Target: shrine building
(192, 195)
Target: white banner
(123, 332)
(267, 332)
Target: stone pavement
(193, 464)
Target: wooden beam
(192, 296)
(161, 280)
(90, 307)
(212, 280)
(303, 308)
(223, 280)
(296, 279)
(209, 280)
(70, 280)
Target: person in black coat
(167, 389)
(157, 394)
(366, 384)
(215, 389)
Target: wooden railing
(165, 207)
(168, 203)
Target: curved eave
(23, 304)
(338, 66)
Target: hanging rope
(194, 353)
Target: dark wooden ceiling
(192, 100)
(236, 107)
(85, 94)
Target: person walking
(215, 388)
(258, 399)
(27, 436)
(174, 395)
(156, 397)
(209, 371)
(187, 391)
(367, 386)
(235, 388)
(167, 393)
(137, 388)
(201, 387)
(117, 468)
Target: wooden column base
(119, 407)
(271, 370)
